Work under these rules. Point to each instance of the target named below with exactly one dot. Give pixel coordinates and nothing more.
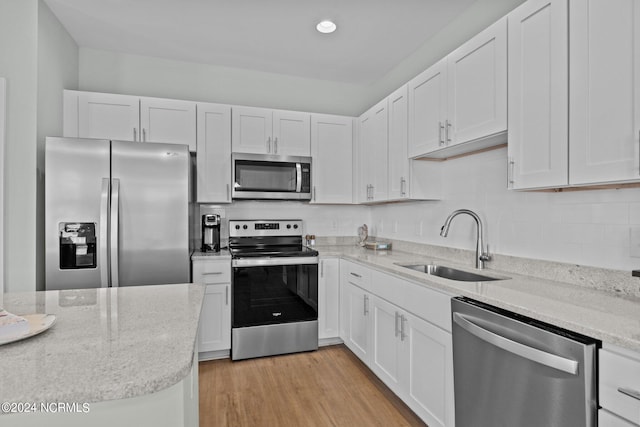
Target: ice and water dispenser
(77, 245)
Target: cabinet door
(168, 120)
(215, 319)
(214, 153)
(604, 122)
(398, 157)
(108, 116)
(365, 134)
(332, 151)
(428, 371)
(427, 109)
(358, 329)
(291, 133)
(376, 149)
(385, 345)
(251, 130)
(477, 86)
(538, 94)
(328, 298)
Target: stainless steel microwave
(263, 176)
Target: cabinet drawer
(211, 272)
(607, 419)
(620, 382)
(355, 274)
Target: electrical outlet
(634, 242)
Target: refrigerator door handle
(547, 359)
(104, 236)
(115, 226)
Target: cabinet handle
(639, 151)
(213, 272)
(356, 275)
(396, 324)
(314, 193)
(629, 392)
(448, 123)
(226, 295)
(275, 145)
(321, 268)
(440, 130)
(228, 191)
(366, 305)
(269, 145)
(372, 192)
(402, 334)
(135, 134)
(403, 185)
(510, 172)
(144, 135)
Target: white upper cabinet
(265, 131)
(427, 110)
(373, 152)
(604, 88)
(168, 120)
(291, 134)
(129, 118)
(213, 158)
(332, 153)
(102, 115)
(538, 94)
(461, 99)
(397, 151)
(477, 87)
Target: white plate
(37, 323)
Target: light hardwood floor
(328, 387)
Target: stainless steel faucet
(481, 255)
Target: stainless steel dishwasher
(513, 371)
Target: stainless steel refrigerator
(117, 213)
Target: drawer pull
(631, 393)
(213, 272)
(356, 275)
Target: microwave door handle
(298, 177)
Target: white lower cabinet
(214, 331)
(405, 349)
(619, 386)
(329, 298)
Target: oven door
(277, 290)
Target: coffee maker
(210, 233)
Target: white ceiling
(276, 36)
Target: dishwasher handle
(547, 359)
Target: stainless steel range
(274, 288)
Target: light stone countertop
(223, 254)
(107, 343)
(603, 315)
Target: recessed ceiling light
(326, 27)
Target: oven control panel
(270, 227)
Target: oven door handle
(265, 262)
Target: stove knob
(245, 227)
(288, 225)
(295, 226)
(237, 227)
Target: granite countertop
(603, 315)
(223, 254)
(107, 343)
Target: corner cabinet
(129, 118)
(459, 104)
(402, 331)
(332, 154)
(213, 158)
(266, 131)
(214, 332)
(373, 148)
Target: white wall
(3, 89)
(593, 227)
(105, 71)
(18, 62)
(57, 70)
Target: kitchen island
(115, 356)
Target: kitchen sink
(451, 273)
